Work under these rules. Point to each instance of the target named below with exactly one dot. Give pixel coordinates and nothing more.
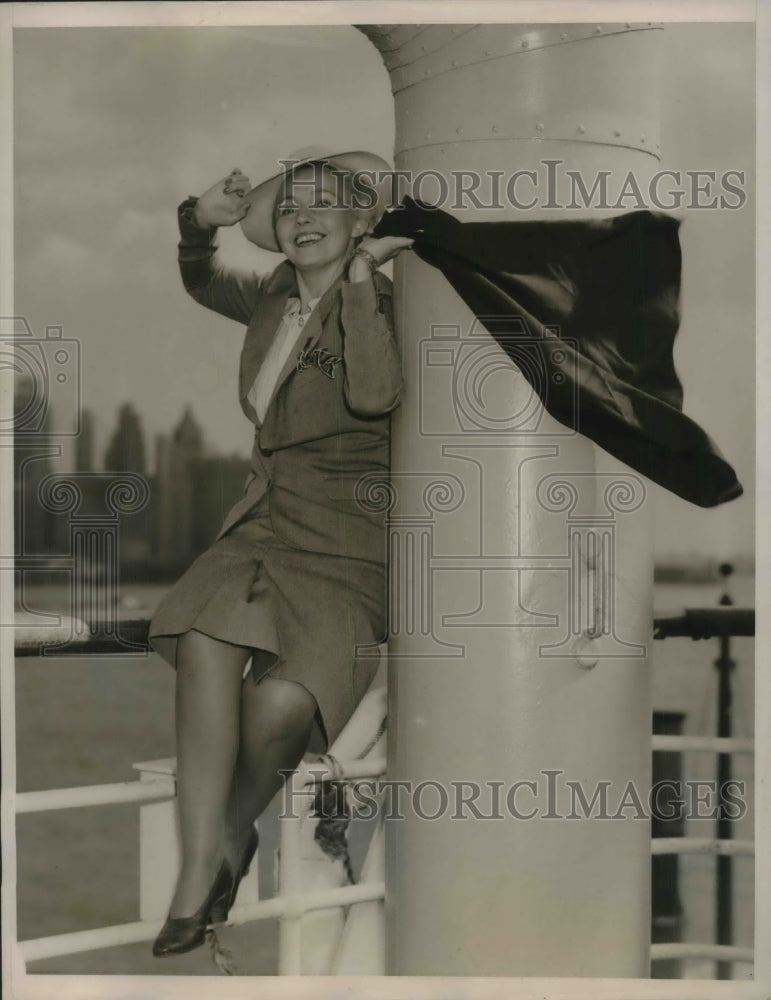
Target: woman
(263, 628)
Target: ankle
(201, 862)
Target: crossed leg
(233, 738)
(276, 721)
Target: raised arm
(373, 371)
(227, 291)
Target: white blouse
(287, 337)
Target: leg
(276, 720)
(208, 694)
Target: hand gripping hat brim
(257, 225)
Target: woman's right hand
(223, 204)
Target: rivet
(488, 52)
(642, 138)
(616, 133)
(628, 25)
(459, 130)
(540, 126)
(564, 36)
(525, 43)
(494, 128)
(582, 129)
(598, 30)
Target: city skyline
(182, 465)
(188, 485)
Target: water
(83, 721)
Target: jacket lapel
(309, 337)
(264, 326)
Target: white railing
(95, 795)
(297, 897)
(702, 845)
(704, 744)
(295, 901)
(286, 906)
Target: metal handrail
(90, 638)
(113, 637)
(688, 949)
(702, 845)
(290, 906)
(120, 792)
(722, 623)
(703, 744)
(706, 623)
(145, 930)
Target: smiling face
(313, 227)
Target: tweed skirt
(307, 617)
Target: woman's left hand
(383, 249)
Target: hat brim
(257, 224)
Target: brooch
(321, 358)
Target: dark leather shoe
(181, 934)
(221, 910)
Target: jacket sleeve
(225, 290)
(373, 371)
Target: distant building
(37, 531)
(126, 450)
(126, 453)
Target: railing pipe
(287, 907)
(680, 949)
(703, 744)
(94, 795)
(702, 845)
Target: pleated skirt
(312, 618)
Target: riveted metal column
(521, 575)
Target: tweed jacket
(325, 435)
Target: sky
(115, 126)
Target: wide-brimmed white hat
(257, 225)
